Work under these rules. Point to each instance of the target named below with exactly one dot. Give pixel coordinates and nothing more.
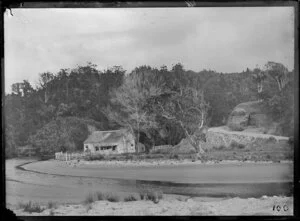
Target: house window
(97, 148)
(114, 148)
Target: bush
(174, 156)
(152, 195)
(130, 198)
(90, 198)
(234, 145)
(94, 157)
(241, 146)
(112, 198)
(155, 156)
(31, 207)
(62, 133)
(128, 157)
(51, 205)
(235, 127)
(291, 141)
(89, 207)
(220, 147)
(112, 158)
(100, 196)
(272, 139)
(51, 213)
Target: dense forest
(160, 106)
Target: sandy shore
(175, 205)
(159, 162)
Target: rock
(249, 114)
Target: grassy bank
(270, 152)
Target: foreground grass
(144, 194)
(179, 206)
(31, 207)
(152, 195)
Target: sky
(221, 39)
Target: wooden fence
(161, 148)
(69, 156)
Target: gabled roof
(106, 137)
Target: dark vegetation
(31, 207)
(236, 145)
(97, 196)
(153, 195)
(130, 198)
(144, 194)
(51, 205)
(169, 105)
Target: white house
(110, 142)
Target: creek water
(24, 184)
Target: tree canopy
(160, 106)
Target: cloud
(223, 39)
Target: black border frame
(9, 5)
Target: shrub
(130, 198)
(235, 127)
(174, 156)
(31, 207)
(152, 195)
(143, 194)
(272, 139)
(221, 147)
(90, 198)
(100, 196)
(94, 157)
(89, 207)
(129, 157)
(112, 198)
(113, 158)
(51, 205)
(234, 145)
(241, 146)
(155, 156)
(291, 141)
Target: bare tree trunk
(259, 87)
(202, 120)
(193, 142)
(279, 83)
(138, 129)
(67, 91)
(46, 96)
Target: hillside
(169, 105)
